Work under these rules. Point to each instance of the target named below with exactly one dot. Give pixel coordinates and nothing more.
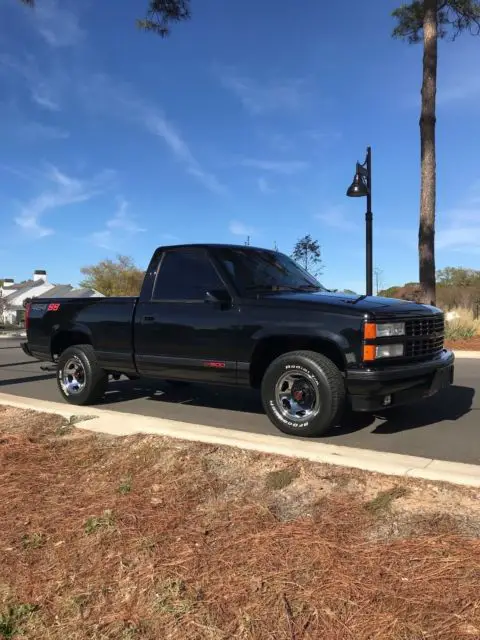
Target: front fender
(338, 339)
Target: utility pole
(247, 243)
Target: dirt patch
(470, 344)
(146, 537)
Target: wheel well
(270, 348)
(65, 339)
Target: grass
(223, 544)
(277, 480)
(13, 618)
(125, 486)
(384, 499)
(94, 523)
(33, 540)
(172, 598)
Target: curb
(471, 355)
(124, 424)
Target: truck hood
(364, 304)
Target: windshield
(257, 270)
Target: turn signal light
(369, 331)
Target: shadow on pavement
(17, 364)
(450, 406)
(29, 378)
(186, 394)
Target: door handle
(149, 318)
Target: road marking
(123, 424)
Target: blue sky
(247, 120)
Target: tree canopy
(307, 252)
(453, 17)
(114, 278)
(159, 14)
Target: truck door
(187, 330)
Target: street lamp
(361, 187)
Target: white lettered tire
(303, 393)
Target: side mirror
(218, 297)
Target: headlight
(389, 351)
(372, 330)
(373, 352)
(390, 330)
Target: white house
(13, 295)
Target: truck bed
(108, 322)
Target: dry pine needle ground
(147, 537)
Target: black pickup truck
(240, 315)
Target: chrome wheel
(297, 398)
(73, 378)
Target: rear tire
(80, 379)
(303, 393)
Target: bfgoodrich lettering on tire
(303, 393)
(80, 379)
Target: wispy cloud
(169, 237)
(462, 231)
(57, 23)
(284, 142)
(119, 228)
(44, 89)
(33, 131)
(237, 228)
(61, 191)
(264, 187)
(459, 228)
(100, 92)
(336, 218)
(41, 96)
(286, 167)
(261, 97)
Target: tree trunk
(426, 232)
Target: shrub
(463, 326)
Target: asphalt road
(446, 427)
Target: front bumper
(379, 388)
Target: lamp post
(361, 187)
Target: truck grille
(425, 336)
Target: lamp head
(358, 188)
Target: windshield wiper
(359, 299)
(309, 287)
(273, 287)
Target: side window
(186, 275)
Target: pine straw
(193, 549)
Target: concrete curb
(123, 424)
(464, 355)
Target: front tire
(80, 379)
(303, 393)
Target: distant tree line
(456, 287)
